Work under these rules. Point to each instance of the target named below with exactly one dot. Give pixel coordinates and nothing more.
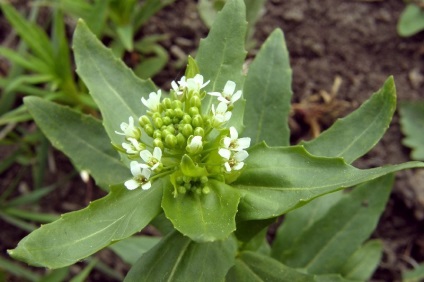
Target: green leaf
(81, 137)
(83, 275)
(415, 275)
(342, 230)
(177, 258)
(148, 9)
(358, 132)
(114, 87)
(79, 234)
(301, 220)
(202, 217)
(362, 264)
(189, 168)
(412, 122)
(268, 93)
(32, 34)
(411, 20)
(131, 249)
(254, 267)
(277, 180)
(221, 55)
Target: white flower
(134, 147)
(152, 160)
(233, 161)
(129, 130)
(194, 144)
(234, 143)
(179, 89)
(140, 177)
(196, 83)
(220, 115)
(153, 102)
(228, 96)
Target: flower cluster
(177, 129)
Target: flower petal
(233, 133)
(135, 168)
(241, 155)
(146, 155)
(157, 153)
(229, 88)
(243, 143)
(236, 96)
(146, 186)
(131, 184)
(225, 153)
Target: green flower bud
(181, 189)
(149, 130)
(167, 103)
(187, 179)
(167, 120)
(156, 115)
(199, 131)
(187, 130)
(157, 134)
(158, 143)
(143, 120)
(179, 113)
(206, 190)
(195, 101)
(171, 129)
(179, 180)
(181, 140)
(198, 192)
(171, 140)
(197, 121)
(186, 119)
(176, 104)
(204, 179)
(170, 113)
(165, 132)
(158, 122)
(193, 111)
(187, 186)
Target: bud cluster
(180, 130)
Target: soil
(341, 52)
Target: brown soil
(353, 43)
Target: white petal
(155, 166)
(243, 143)
(236, 96)
(157, 153)
(238, 166)
(146, 173)
(217, 94)
(146, 155)
(227, 167)
(227, 116)
(223, 99)
(229, 87)
(135, 168)
(222, 107)
(227, 142)
(233, 133)
(175, 86)
(144, 101)
(146, 186)
(241, 156)
(225, 153)
(131, 184)
(206, 83)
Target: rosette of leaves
(216, 235)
